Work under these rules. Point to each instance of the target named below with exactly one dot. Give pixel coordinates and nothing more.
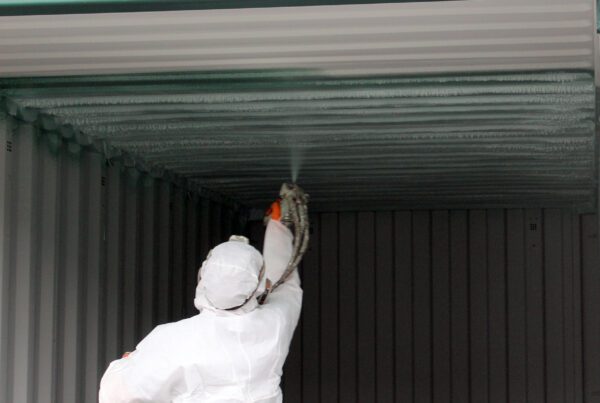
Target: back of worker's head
(230, 276)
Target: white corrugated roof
(386, 38)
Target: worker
(233, 351)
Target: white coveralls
(224, 356)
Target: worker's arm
(149, 374)
(277, 250)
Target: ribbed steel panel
(359, 39)
(5, 184)
(84, 250)
(448, 306)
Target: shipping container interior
(450, 149)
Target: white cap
(229, 276)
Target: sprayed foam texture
(477, 140)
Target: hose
(296, 218)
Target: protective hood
(230, 277)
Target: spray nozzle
(294, 192)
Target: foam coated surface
(518, 139)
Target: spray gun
(294, 214)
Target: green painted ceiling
(463, 140)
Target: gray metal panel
(590, 265)
(6, 162)
(164, 252)
(178, 269)
(113, 239)
(216, 233)
(48, 251)
(131, 241)
(578, 333)
(384, 307)
(227, 223)
(403, 304)
(350, 39)
(554, 326)
(535, 287)
(348, 300)
(478, 318)
(205, 225)
(365, 337)
(440, 287)
(329, 353)
(24, 257)
(191, 251)
(70, 304)
(149, 255)
(422, 320)
(487, 301)
(72, 247)
(93, 268)
(568, 307)
(497, 308)
(516, 306)
(459, 305)
(311, 359)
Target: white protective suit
(224, 356)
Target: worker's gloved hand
(273, 212)
(279, 211)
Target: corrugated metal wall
(92, 256)
(480, 305)
(449, 306)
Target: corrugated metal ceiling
(348, 92)
(387, 38)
